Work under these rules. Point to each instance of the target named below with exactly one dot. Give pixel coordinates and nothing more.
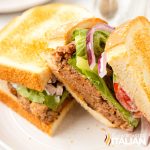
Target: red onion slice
(102, 62)
(90, 49)
(89, 43)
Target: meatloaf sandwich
(81, 65)
(128, 53)
(27, 84)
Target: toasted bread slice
(34, 31)
(11, 101)
(128, 53)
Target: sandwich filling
(45, 105)
(82, 64)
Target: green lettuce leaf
(51, 101)
(79, 35)
(54, 102)
(72, 61)
(34, 96)
(99, 41)
(114, 78)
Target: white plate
(77, 132)
(7, 6)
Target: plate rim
(22, 7)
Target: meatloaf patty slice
(85, 88)
(41, 111)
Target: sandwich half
(27, 84)
(81, 66)
(128, 53)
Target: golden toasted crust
(11, 101)
(120, 33)
(33, 80)
(128, 53)
(24, 38)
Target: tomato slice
(124, 99)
